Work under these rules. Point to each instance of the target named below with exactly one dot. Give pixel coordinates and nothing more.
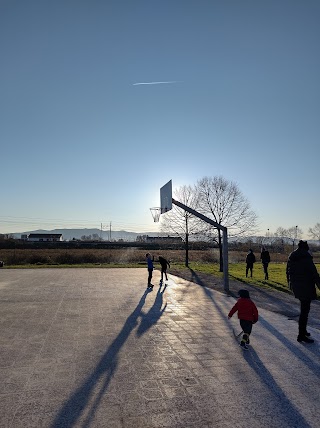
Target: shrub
(37, 259)
(66, 259)
(87, 258)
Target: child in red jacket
(247, 314)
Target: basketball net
(156, 212)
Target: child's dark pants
(247, 328)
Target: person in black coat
(250, 259)
(265, 260)
(302, 276)
(164, 265)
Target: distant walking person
(265, 260)
(164, 265)
(250, 259)
(150, 270)
(247, 314)
(302, 276)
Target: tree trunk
(187, 250)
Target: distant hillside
(69, 234)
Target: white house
(45, 237)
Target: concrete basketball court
(93, 348)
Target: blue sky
(82, 145)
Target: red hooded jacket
(247, 310)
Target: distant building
(45, 237)
(6, 236)
(171, 239)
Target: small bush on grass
(35, 259)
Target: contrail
(155, 83)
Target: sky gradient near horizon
(103, 102)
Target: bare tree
(281, 236)
(294, 233)
(288, 235)
(314, 232)
(222, 200)
(178, 221)
(281, 232)
(268, 239)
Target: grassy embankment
(277, 274)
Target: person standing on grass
(150, 270)
(250, 259)
(302, 276)
(265, 260)
(164, 265)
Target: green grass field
(237, 271)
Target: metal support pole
(225, 261)
(225, 239)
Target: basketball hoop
(156, 212)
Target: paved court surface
(93, 348)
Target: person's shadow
(73, 408)
(287, 413)
(154, 313)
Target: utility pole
(110, 231)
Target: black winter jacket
(250, 259)
(163, 262)
(302, 274)
(265, 257)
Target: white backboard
(166, 197)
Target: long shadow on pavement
(289, 415)
(208, 292)
(295, 349)
(292, 348)
(76, 404)
(154, 313)
(273, 303)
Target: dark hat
(244, 293)
(304, 245)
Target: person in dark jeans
(150, 270)
(265, 260)
(302, 276)
(164, 265)
(250, 259)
